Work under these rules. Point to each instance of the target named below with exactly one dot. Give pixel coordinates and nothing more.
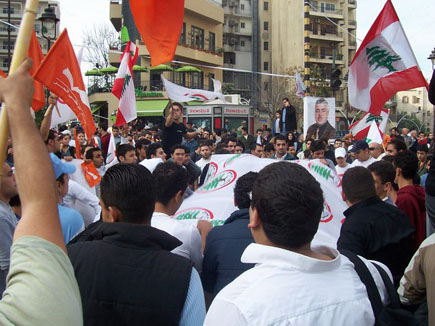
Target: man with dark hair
(422, 152)
(174, 130)
(374, 229)
(395, 146)
(410, 197)
(178, 152)
(139, 280)
(104, 136)
(155, 150)
(141, 149)
(230, 143)
(362, 154)
(245, 138)
(205, 149)
(171, 182)
(116, 135)
(281, 149)
(269, 150)
(322, 127)
(317, 151)
(225, 244)
(240, 148)
(383, 174)
(287, 122)
(269, 135)
(256, 149)
(53, 142)
(395, 134)
(259, 139)
(292, 282)
(126, 153)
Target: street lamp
(49, 21)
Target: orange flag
(60, 73)
(159, 23)
(37, 56)
(91, 174)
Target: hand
(16, 91)
(52, 99)
(204, 227)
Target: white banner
(214, 201)
(184, 94)
(319, 117)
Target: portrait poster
(319, 117)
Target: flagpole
(20, 53)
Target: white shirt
(340, 170)
(364, 163)
(202, 162)
(151, 163)
(186, 233)
(286, 288)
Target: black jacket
(378, 231)
(128, 276)
(290, 119)
(223, 250)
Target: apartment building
(199, 50)
(415, 104)
(15, 9)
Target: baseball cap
(340, 152)
(66, 132)
(61, 167)
(359, 145)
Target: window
(242, 6)
(5, 45)
(182, 39)
(197, 37)
(230, 58)
(266, 26)
(266, 46)
(5, 63)
(242, 25)
(266, 6)
(242, 43)
(212, 41)
(12, 10)
(405, 99)
(210, 82)
(325, 6)
(415, 100)
(265, 66)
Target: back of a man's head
(399, 144)
(384, 170)
(242, 189)
(289, 202)
(317, 145)
(169, 179)
(129, 188)
(358, 184)
(407, 162)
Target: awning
(188, 69)
(162, 67)
(151, 108)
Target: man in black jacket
(125, 270)
(288, 117)
(225, 244)
(374, 229)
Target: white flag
(374, 134)
(183, 94)
(111, 150)
(300, 87)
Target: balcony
(116, 14)
(337, 14)
(352, 24)
(237, 12)
(352, 43)
(233, 27)
(352, 3)
(192, 51)
(338, 37)
(326, 58)
(210, 11)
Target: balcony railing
(208, 48)
(327, 12)
(328, 34)
(326, 56)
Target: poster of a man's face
(319, 117)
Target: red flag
(60, 73)
(159, 23)
(37, 56)
(3, 74)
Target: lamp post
(49, 22)
(432, 59)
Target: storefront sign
(229, 110)
(199, 110)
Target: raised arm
(46, 122)
(35, 181)
(169, 119)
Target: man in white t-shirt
(362, 155)
(205, 150)
(292, 283)
(342, 165)
(171, 184)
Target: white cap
(66, 132)
(340, 152)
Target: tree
(319, 86)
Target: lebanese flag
(123, 87)
(360, 128)
(383, 65)
(159, 23)
(111, 150)
(300, 87)
(35, 53)
(374, 134)
(183, 94)
(60, 73)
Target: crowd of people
(110, 253)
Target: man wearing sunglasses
(362, 155)
(376, 151)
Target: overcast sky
(416, 17)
